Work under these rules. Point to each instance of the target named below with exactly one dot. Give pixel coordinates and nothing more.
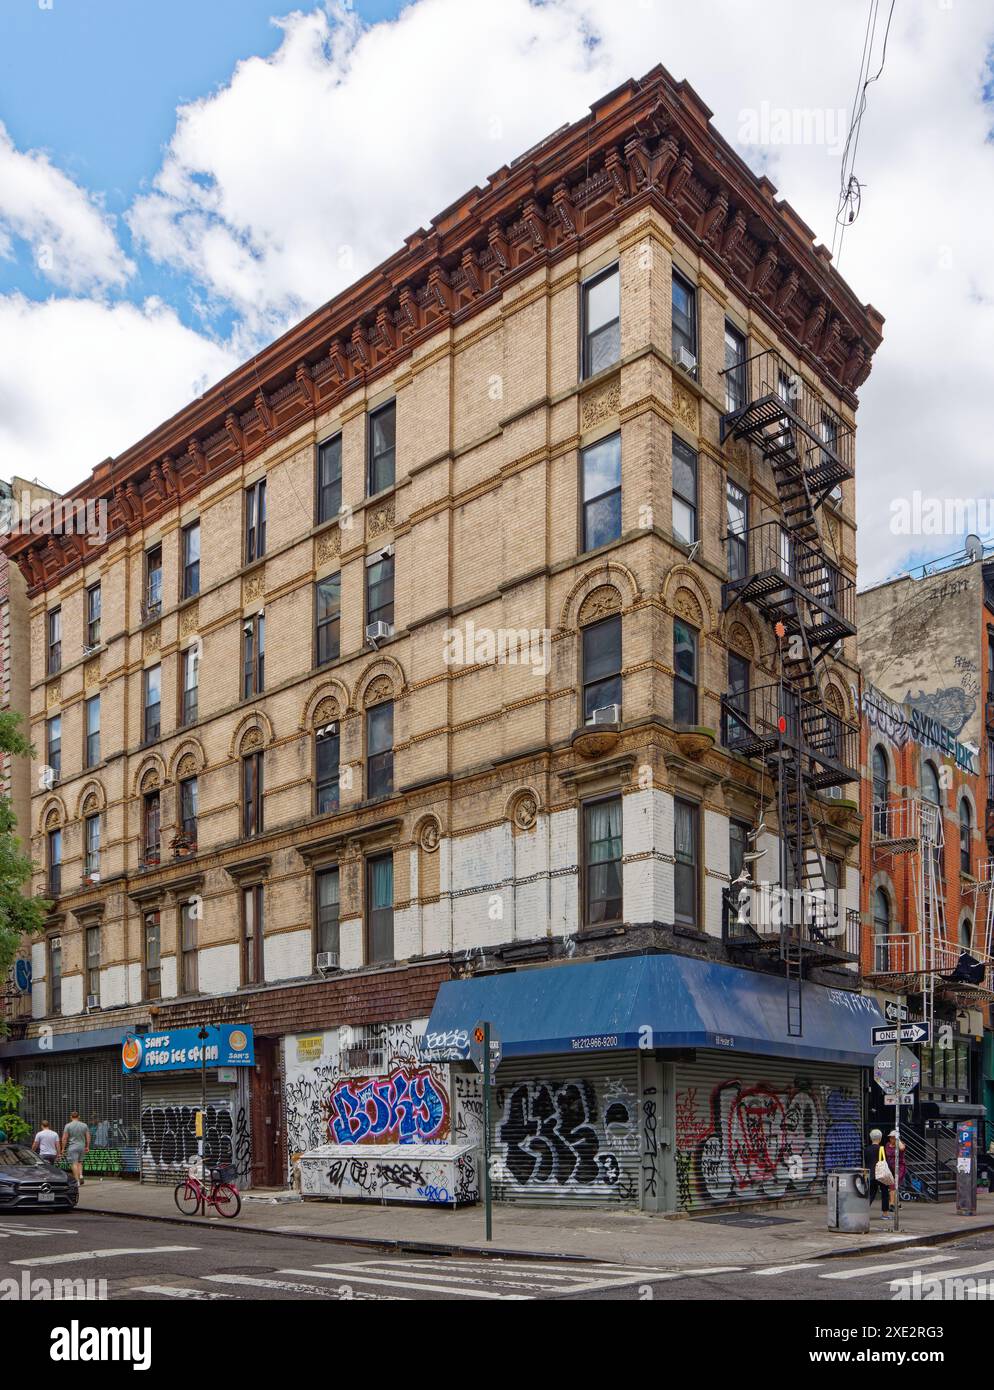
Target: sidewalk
(624, 1237)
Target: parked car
(28, 1182)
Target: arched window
(966, 934)
(881, 790)
(881, 930)
(965, 835)
(930, 784)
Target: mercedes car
(28, 1182)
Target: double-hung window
(684, 673)
(601, 321)
(601, 482)
(602, 861)
(329, 500)
(328, 618)
(379, 750)
(382, 448)
(684, 492)
(601, 666)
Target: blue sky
(179, 183)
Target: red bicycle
(193, 1198)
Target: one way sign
(907, 1033)
(895, 1012)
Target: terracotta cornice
(649, 144)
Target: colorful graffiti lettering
(563, 1134)
(760, 1141)
(410, 1106)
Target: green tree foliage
(11, 1123)
(18, 914)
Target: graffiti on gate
(562, 1134)
(169, 1135)
(762, 1141)
(410, 1106)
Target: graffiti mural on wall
(568, 1135)
(169, 1139)
(753, 1141)
(410, 1106)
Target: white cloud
(72, 240)
(81, 380)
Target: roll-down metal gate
(168, 1124)
(566, 1129)
(755, 1128)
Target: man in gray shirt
(76, 1142)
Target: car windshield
(16, 1155)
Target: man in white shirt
(47, 1143)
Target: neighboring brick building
(526, 436)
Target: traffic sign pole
(897, 1120)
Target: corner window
(54, 863)
(252, 794)
(255, 521)
(737, 541)
(327, 767)
(188, 807)
(735, 368)
(191, 560)
(55, 974)
(684, 324)
(190, 703)
(965, 835)
(601, 321)
(189, 974)
(92, 716)
(153, 582)
(600, 466)
(329, 480)
(53, 746)
(152, 703)
(602, 667)
(737, 699)
(602, 851)
(379, 908)
(151, 820)
(326, 895)
(379, 590)
(686, 869)
(382, 448)
(253, 935)
(93, 607)
(379, 750)
(93, 967)
(54, 657)
(253, 655)
(684, 492)
(684, 673)
(153, 956)
(328, 615)
(91, 853)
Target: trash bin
(848, 1200)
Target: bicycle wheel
(226, 1200)
(187, 1198)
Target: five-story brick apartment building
(436, 646)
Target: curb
(428, 1247)
(421, 1247)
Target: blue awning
(647, 1002)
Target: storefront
(169, 1079)
(80, 1071)
(663, 1082)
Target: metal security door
(757, 1129)
(567, 1129)
(168, 1125)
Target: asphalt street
(212, 1261)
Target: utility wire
(850, 189)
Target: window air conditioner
(92, 1001)
(686, 360)
(378, 632)
(606, 714)
(327, 960)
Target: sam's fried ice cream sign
(227, 1045)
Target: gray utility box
(848, 1200)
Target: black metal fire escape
(781, 567)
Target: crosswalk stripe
(352, 1278)
(885, 1269)
(461, 1277)
(286, 1285)
(7, 1230)
(77, 1255)
(172, 1291)
(783, 1269)
(479, 1267)
(947, 1274)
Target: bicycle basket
(223, 1172)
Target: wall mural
(749, 1141)
(577, 1136)
(412, 1102)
